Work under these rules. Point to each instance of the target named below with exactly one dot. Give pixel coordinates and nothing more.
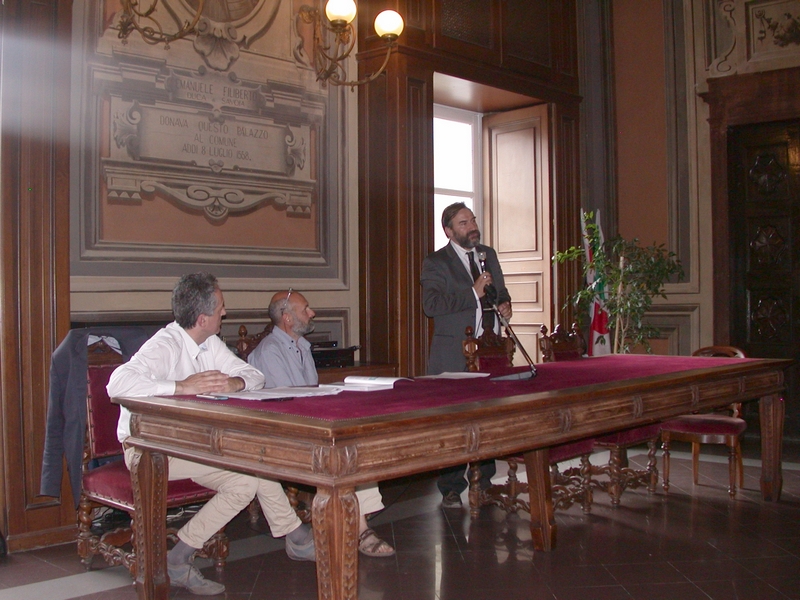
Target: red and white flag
(599, 337)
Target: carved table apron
(424, 432)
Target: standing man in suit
(456, 293)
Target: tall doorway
(517, 204)
(513, 202)
(764, 196)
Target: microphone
(491, 295)
(490, 290)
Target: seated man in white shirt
(187, 357)
(284, 357)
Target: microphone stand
(491, 292)
(504, 322)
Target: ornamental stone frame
(221, 152)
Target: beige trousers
(369, 498)
(234, 493)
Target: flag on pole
(599, 337)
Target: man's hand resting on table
(208, 382)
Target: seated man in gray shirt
(284, 357)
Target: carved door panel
(517, 215)
(764, 195)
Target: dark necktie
(473, 266)
(488, 313)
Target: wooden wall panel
(564, 149)
(34, 242)
(739, 100)
(396, 166)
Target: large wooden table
(335, 455)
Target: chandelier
(329, 58)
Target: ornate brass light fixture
(138, 15)
(329, 59)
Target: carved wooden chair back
(489, 351)
(561, 344)
(247, 343)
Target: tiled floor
(693, 544)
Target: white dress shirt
(169, 356)
(464, 255)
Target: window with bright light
(456, 164)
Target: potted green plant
(625, 277)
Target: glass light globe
(341, 10)
(389, 23)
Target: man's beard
(301, 329)
(468, 241)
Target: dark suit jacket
(447, 298)
(66, 407)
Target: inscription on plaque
(173, 133)
(215, 90)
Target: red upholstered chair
(711, 428)
(573, 485)
(110, 484)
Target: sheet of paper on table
(287, 392)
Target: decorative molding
(743, 36)
(720, 62)
(638, 407)
(338, 461)
(565, 420)
(677, 323)
(767, 173)
(236, 152)
(770, 319)
(473, 438)
(768, 246)
(784, 29)
(217, 203)
(217, 43)
(679, 200)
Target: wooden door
(764, 194)
(517, 212)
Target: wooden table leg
(771, 412)
(335, 517)
(543, 523)
(149, 482)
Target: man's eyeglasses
(286, 302)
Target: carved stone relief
(211, 150)
(742, 36)
(770, 319)
(767, 174)
(768, 246)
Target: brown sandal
(369, 544)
